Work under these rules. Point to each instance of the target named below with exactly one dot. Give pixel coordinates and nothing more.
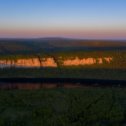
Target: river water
(32, 86)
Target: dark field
(63, 107)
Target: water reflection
(31, 86)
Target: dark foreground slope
(63, 107)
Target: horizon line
(76, 38)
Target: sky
(88, 19)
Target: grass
(63, 107)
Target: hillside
(60, 58)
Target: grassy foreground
(63, 107)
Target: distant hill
(28, 46)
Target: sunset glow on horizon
(88, 19)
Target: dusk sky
(88, 19)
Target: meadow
(87, 106)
